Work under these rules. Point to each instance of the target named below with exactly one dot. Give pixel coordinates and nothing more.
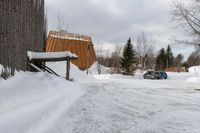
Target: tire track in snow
(115, 107)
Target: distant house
(175, 69)
(79, 44)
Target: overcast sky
(114, 21)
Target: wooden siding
(22, 28)
(175, 69)
(75, 43)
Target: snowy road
(126, 105)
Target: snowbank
(30, 102)
(194, 69)
(75, 73)
(94, 69)
(179, 76)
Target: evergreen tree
(169, 57)
(179, 59)
(164, 59)
(161, 60)
(128, 60)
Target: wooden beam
(53, 59)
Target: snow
(75, 73)
(94, 69)
(69, 38)
(43, 103)
(31, 102)
(194, 69)
(179, 76)
(114, 103)
(193, 79)
(45, 55)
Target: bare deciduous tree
(116, 58)
(194, 58)
(144, 49)
(61, 24)
(187, 15)
(99, 55)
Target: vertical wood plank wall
(22, 28)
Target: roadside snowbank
(30, 102)
(179, 76)
(94, 69)
(194, 69)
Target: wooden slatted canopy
(41, 57)
(79, 44)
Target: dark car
(163, 75)
(155, 75)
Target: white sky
(112, 22)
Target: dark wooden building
(22, 28)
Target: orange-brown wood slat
(79, 47)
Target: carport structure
(37, 60)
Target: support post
(68, 69)
(87, 58)
(27, 64)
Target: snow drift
(30, 102)
(194, 69)
(75, 73)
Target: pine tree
(128, 60)
(179, 59)
(161, 60)
(169, 57)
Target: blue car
(155, 75)
(163, 75)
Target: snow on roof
(69, 36)
(46, 55)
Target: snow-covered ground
(31, 102)
(121, 104)
(43, 103)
